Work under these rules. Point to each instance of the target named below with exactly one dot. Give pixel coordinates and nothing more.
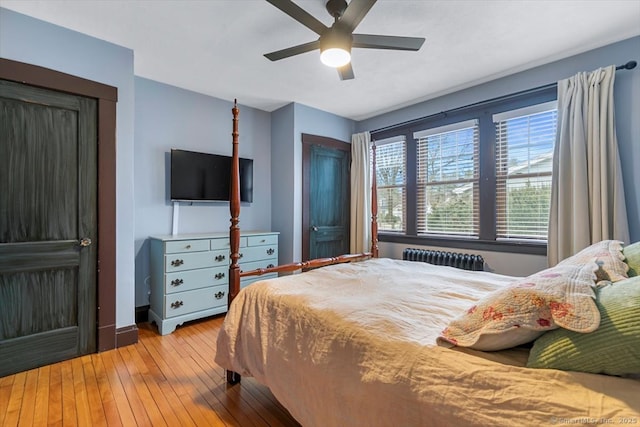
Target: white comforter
(355, 345)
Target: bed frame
(234, 232)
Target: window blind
(447, 181)
(391, 178)
(524, 149)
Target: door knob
(84, 242)
(314, 228)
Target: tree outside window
(391, 181)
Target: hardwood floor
(168, 380)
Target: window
(474, 177)
(524, 151)
(391, 154)
(447, 179)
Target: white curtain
(360, 238)
(587, 196)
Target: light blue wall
(287, 126)
(36, 42)
(317, 122)
(283, 180)
(169, 117)
(627, 106)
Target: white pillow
(561, 296)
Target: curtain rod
(628, 66)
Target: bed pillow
(614, 348)
(632, 258)
(609, 257)
(561, 296)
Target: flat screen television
(203, 177)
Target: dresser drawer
(193, 279)
(225, 244)
(265, 263)
(190, 301)
(219, 244)
(271, 239)
(186, 246)
(185, 261)
(256, 253)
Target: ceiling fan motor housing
(336, 8)
(336, 37)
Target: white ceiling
(215, 47)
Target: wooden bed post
(234, 229)
(234, 208)
(374, 203)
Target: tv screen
(206, 177)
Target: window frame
(379, 144)
(483, 112)
(421, 186)
(503, 179)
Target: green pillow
(632, 258)
(613, 348)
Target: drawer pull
(177, 304)
(262, 241)
(220, 258)
(270, 266)
(177, 263)
(270, 251)
(240, 255)
(219, 295)
(188, 247)
(177, 282)
(219, 276)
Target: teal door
(328, 202)
(48, 226)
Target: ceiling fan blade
(346, 72)
(291, 51)
(355, 12)
(372, 41)
(300, 15)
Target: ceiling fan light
(335, 57)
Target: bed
(371, 343)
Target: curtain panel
(360, 238)
(587, 193)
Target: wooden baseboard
(106, 337)
(126, 336)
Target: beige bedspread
(354, 345)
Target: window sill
(519, 247)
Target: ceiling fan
(335, 42)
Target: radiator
(451, 259)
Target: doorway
(56, 231)
(326, 197)
(48, 188)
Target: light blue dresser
(189, 273)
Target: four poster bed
(372, 342)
